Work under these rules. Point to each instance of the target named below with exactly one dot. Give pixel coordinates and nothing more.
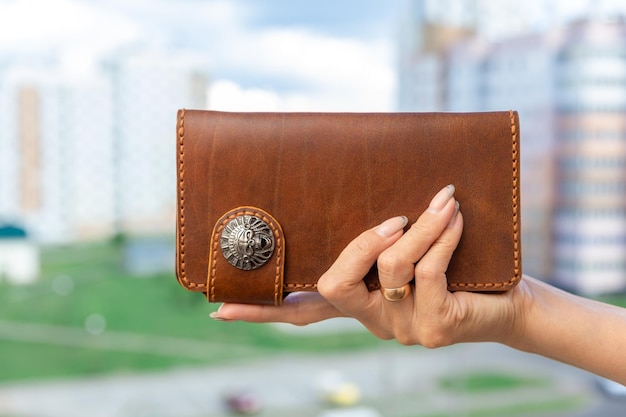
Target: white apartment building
(148, 89)
(569, 86)
(590, 211)
(85, 158)
(32, 154)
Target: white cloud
(323, 61)
(331, 74)
(323, 72)
(228, 96)
(38, 26)
(283, 68)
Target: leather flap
(246, 258)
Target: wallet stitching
(301, 286)
(181, 192)
(313, 286)
(181, 196)
(515, 207)
(516, 231)
(279, 246)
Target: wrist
(521, 308)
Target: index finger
(343, 283)
(396, 264)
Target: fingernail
(440, 200)
(457, 206)
(216, 315)
(392, 226)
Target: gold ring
(396, 294)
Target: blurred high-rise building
(89, 157)
(567, 85)
(590, 209)
(45, 159)
(148, 89)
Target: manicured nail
(456, 211)
(440, 200)
(392, 226)
(216, 315)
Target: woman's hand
(533, 317)
(431, 315)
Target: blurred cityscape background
(88, 97)
(567, 79)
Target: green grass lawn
(488, 381)
(83, 280)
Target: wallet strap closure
(246, 258)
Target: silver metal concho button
(247, 242)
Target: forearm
(571, 329)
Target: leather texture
(323, 178)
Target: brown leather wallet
(267, 201)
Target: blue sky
(346, 18)
(264, 55)
(292, 55)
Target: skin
(533, 317)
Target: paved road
(396, 380)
